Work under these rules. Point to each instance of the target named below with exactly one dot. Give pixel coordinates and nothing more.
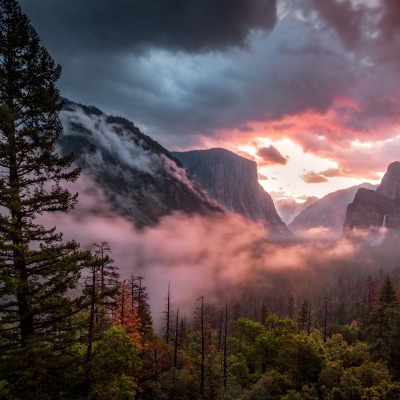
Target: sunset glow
(200, 199)
(313, 88)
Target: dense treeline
(72, 328)
(213, 354)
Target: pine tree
(305, 316)
(387, 294)
(236, 311)
(264, 313)
(291, 307)
(372, 295)
(140, 300)
(37, 268)
(168, 317)
(225, 358)
(203, 346)
(182, 333)
(101, 288)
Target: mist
(224, 258)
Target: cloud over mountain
(270, 155)
(203, 74)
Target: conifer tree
(37, 268)
(101, 289)
(387, 294)
(168, 317)
(305, 316)
(140, 300)
(202, 367)
(372, 295)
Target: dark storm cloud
(344, 17)
(270, 156)
(355, 22)
(181, 69)
(390, 21)
(177, 97)
(134, 25)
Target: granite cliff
(377, 208)
(232, 181)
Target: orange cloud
(313, 177)
(332, 172)
(359, 153)
(270, 156)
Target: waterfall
(384, 221)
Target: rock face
(289, 209)
(233, 182)
(140, 177)
(377, 208)
(329, 212)
(390, 185)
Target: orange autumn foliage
(126, 315)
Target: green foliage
(302, 357)
(40, 371)
(56, 347)
(304, 318)
(330, 376)
(387, 294)
(115, 364)
(381, 328)
(270, 386)
(349, 355)
(255, 347)
(306, 393)
(37, 268)
(140, 300)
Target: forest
(72, 328)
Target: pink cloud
(313, 177)
(270, 156)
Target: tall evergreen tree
(304, 318)
(168, 317)
(101, 289)
(387, 293)
(37, 268)
(140, 300)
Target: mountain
(288, 209)
(139, 177)
(377, 208)
(328, 213)
(232, 181)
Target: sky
(306, 88)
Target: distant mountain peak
(327, 213)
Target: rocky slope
(377, 208)
(140, 177)
(233, 182)
(329, 212)
(289, 209)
